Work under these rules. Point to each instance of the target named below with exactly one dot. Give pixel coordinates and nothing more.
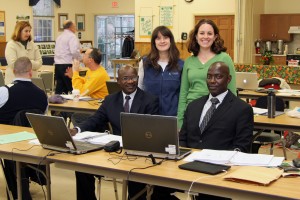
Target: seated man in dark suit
(20, 95)
(109, 111)
(219, 120)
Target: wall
(88, 7)
(183, 13)
(11, 11)
(281, 6)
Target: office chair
(263, 137)
(48, 78)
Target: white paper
(34, 142)
(83, 136)
(215, 156)
(70, 97)
(248, 159)
(259, 111)
(106, 139)
(234, 158)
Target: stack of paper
(215, 156)
(259, 111)
(87, 135)
(81, 98)
(235, 158)
(97, 138)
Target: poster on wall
(22, 18)
(166, 16)
(2, 26)
(146, 26)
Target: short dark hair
(96, 55)
(22, 65)
(67, 24)
(192, 44)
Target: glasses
(126, 78)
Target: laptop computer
(112, 87)
(52, 132)
(40, 83)
(144, 135)
(246, 80)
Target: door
(225, 24)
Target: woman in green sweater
(207, 47)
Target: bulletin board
(2, 26)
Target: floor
(63, 182)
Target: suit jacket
(112, 106)
(230, 127)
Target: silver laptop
(112, 87)
(246, 80)
(144, 135)
(52, 132)
(40, 83)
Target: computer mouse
(296, 162)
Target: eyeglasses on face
(126, 78)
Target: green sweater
(193, 81)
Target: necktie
(209, 113)
(126, 105)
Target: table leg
(124, 190)
(48, 186)
(19, 179)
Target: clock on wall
(189, 1)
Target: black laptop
(52, 132)
(151, 134)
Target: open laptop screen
(149, 134)
(246, 80)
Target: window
(43, 20)
(111, 31)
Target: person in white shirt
(67, 48)
(20, 45)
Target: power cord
(154, 163)
(190, 188)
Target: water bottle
(271, 103)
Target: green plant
(267, 57)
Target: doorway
(111, 30)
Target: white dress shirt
(208, 104)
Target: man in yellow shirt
(93, 84)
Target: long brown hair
(217, 46)
(173, 51)
(16, 36)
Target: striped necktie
(209, 113)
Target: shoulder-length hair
(173, 51)
(16, 36)
(217, 46)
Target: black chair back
(262, 102)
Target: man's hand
(69, 72)
(73, 131)
(76, 65)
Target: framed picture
(61, 18)
(80, 22)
